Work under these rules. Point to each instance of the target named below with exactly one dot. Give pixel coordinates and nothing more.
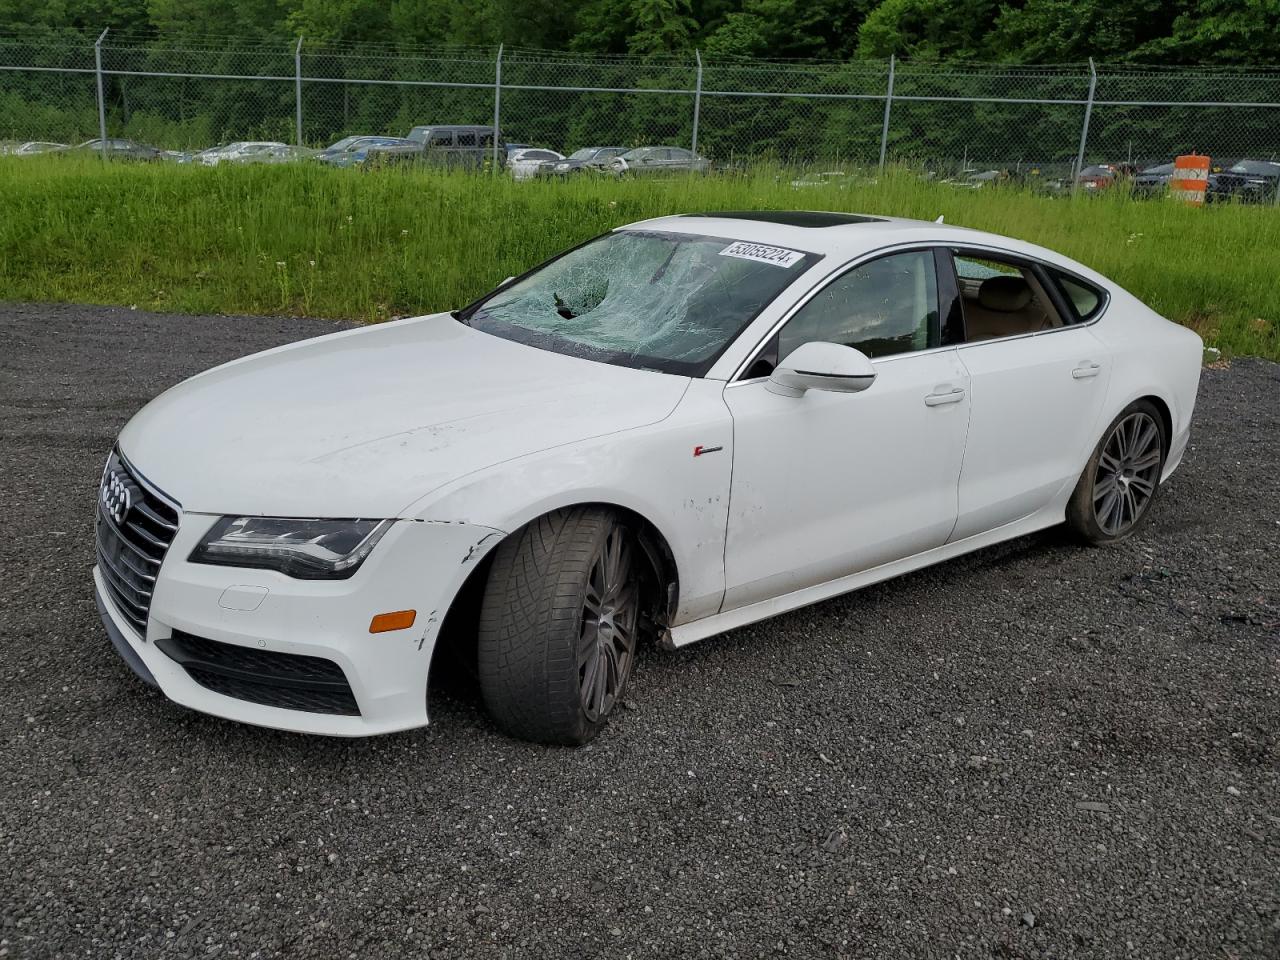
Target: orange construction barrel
(1190, 178)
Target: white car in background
(524, 164)
(683, 426)
(241, 150)
(33, 147)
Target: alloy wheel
(607, 642)
(1127, 474)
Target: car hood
(365, 422)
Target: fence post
(697, 102)
(888, 105)
(497, 108)
(102, 104)
(297, 81)
(1084, 130)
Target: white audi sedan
(680, 427)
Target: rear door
(1038, 381)
(680, 160)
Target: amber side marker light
(399, 620)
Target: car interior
(1002, 299)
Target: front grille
(135, 526)
(290, 681)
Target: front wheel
(1114, 494)
(558, 626)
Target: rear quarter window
(1086, 300)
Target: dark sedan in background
(650, 161)
(1249, 181)
(1153, 181)
(587, 159)
(117, 149)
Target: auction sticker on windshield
(778, 256)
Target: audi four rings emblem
(117, 498)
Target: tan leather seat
(1005, 306)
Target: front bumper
(417, 566)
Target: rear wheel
(1116, 490)
(558, 626)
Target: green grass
(338, 243)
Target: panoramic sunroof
(792, 218)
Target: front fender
(652, 471)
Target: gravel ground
(1038, 750)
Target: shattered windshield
(662, 301)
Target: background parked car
(235, 151)
(976, 179)
(32, 147)
(118, 149)
(524, 164)
(357, 150)
(275, 153)
(647, 161)
(345, 143)
(456, 145)
(1153, 181)
(1090, 179)
(1249, 181)
(1103, 176)
(588, 158)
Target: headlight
(562, 166)
(305, 549)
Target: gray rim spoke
(1117, 511)
(1147, 461)
(609, 612)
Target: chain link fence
(195, 92)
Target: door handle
(1087, 370)
(954, 395)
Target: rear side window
(1086, 300)
(466, 139)
(1002, 298)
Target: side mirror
(506, 281)
(822, 366)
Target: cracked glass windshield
(660, 301)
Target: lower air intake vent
(290, 681)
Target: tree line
(1228, 32)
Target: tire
(1113, 496)
(558, 626)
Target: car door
(1039, 378)
(828, 484)
(655, 161)
(680, 160)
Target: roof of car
(792, 218)
(814, 232)
(453, 126)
